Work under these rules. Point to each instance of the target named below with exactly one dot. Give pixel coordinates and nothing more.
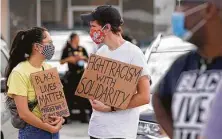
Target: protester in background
(76, 57)
(108, 122)
(182, 100)
(29, 50)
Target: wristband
(113, 109)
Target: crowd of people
(183, 100)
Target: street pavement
(74, 130)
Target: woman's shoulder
(46, 65)
(21, 67)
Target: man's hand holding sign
(50, 95)
(111, 84)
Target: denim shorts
(31, 132)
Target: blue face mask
(178, 23)
(81, 63)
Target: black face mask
(48, 51)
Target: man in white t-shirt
(108, 122)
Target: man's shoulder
(132, 46)
(132, 49)
(183, 59)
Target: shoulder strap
(32, 104)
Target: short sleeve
(17, 84)
(85, 53)
(164, 87)
(64, 53)
(167, 84)
(139, 60)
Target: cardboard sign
(50, 95)
(109, 81)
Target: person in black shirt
(184, 96)
(76, 57)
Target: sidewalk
(75, 130)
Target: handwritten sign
(50, 95)
(109, 81)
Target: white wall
(5, 19)
(162, 18)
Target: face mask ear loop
(189, 34)
(38, 47)
(199, 25)
(196, 9)
(103, 27)
(39, 44)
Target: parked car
(160, 56)
(7, 130)
(59, 38)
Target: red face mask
(97, 35)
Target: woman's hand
(73, 59)
(55, 120)
(56, 127)
(25, 114)
(84, 58)
(99, 106)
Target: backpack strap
(32, 104)
(43, 68)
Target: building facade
(142, 18)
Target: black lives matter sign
(50, 95)
(109, 81)
(192, 100)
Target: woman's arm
(70, 59)
(25, 114)
(65, 60)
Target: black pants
(107, 138)
(72, 81)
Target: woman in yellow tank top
(29, 50)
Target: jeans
(31, 132)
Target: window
(4, 63)
(54, 14)
(78, 23)
(94, 2)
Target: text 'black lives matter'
(192, 100)
(50, 95)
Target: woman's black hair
(71, 37)
(22, 46)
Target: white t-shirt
(124, 123)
